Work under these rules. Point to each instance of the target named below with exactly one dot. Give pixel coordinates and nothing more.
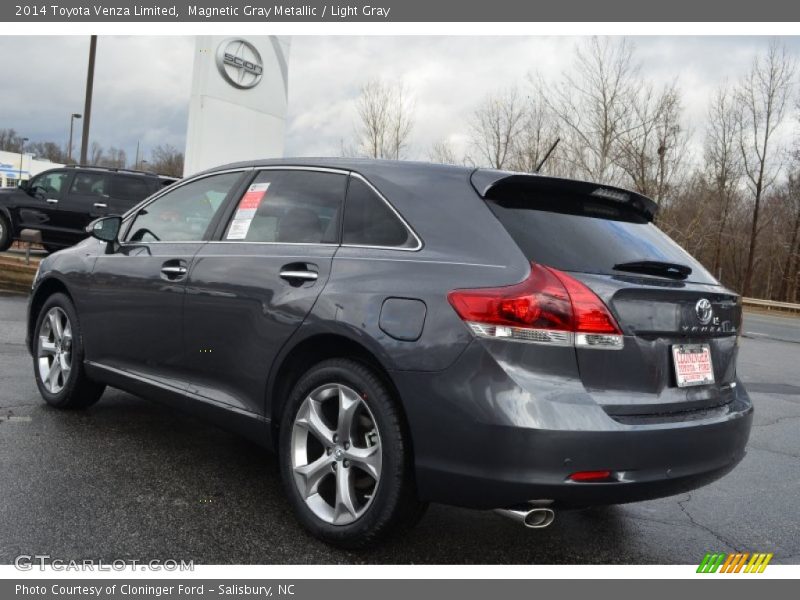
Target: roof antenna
(546, 156)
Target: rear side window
(89, 184)
(129, 189)
(289, 207)
(587, 237)
(369, 221)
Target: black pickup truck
(60, 203)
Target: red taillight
(589, 313)
(548, 307)
(540, 301)
(584, 476)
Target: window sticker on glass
(246, 210)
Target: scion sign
(239, 63)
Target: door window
(183, 214)
(49, 184)
(289, 207)
(89, 184)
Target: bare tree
(495, 127)
(723, 162)
(653, 148)
(791, 272)
(10, 140)
(443, 152)
(166, 160)
(97, 154)
(538, 132)
(115, 158)
(386, 120)
(593, 105)
(47, 151)
(762, 96)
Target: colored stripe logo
(740, 562)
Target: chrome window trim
(346, 172)
(273, 243)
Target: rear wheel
(58, 357)
(345, 457)
(5, 233)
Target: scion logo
(704, 311)
(240, 63)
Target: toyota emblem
(704, 311)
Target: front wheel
(58, 357)
(345, 456)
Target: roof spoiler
(490, 184)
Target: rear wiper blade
(655, 267)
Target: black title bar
(400, 11)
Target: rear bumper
(486, 436)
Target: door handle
(100, 205)
(52, 200)
(174, 270)
(299, 274)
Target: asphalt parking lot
(129, 479)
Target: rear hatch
(671, 311)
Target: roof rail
(119, 170)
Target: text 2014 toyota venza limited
(406, 333)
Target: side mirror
(105, 229)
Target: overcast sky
(142, 83)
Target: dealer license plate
(692, 364)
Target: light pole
(21, 150)
(71, 123)
(87, 109)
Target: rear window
(588, 236)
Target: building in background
(239, 97)
(14, 167)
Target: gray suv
(404, 333)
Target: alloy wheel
(54, 350)
(336, 454)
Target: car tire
(6, 237)
(379, 506)
(58, 352)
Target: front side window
(289, 207)
(50, 184)
(89, 184)
(183, 214)
(369, 221)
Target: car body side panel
(239, 312)
(362, 280)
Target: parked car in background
(404, 333)
(60, 203)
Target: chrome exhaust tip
(532, 518)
